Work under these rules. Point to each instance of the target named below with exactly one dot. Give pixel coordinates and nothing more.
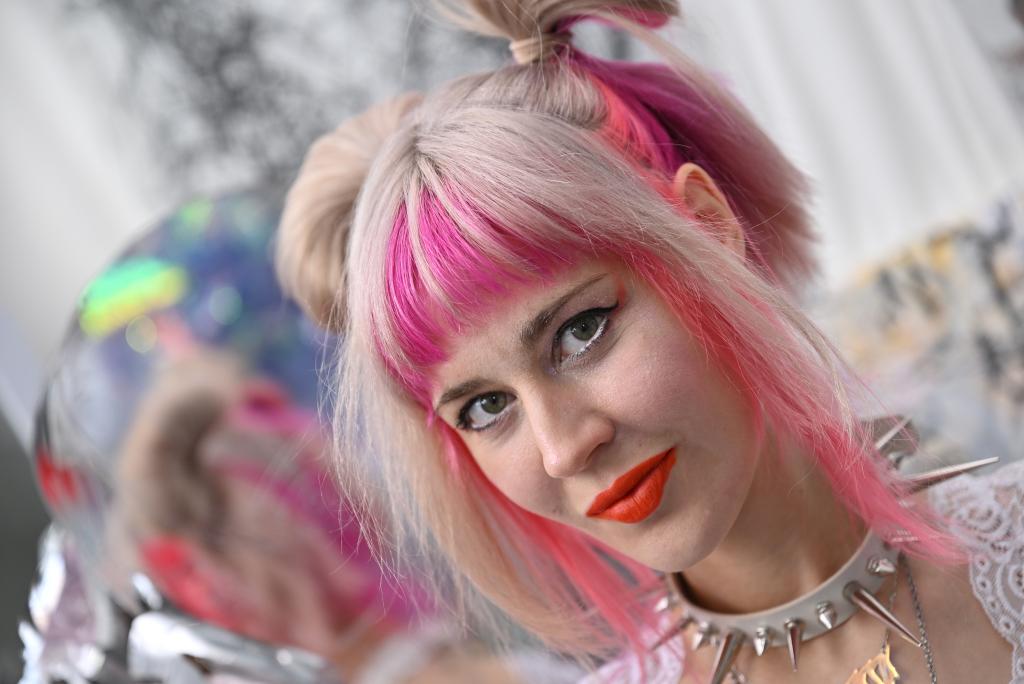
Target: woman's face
(586, 401)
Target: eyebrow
(533, 329)
(457, 392)
(528, 336)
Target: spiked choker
(818, 612)
(832, 603)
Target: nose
(568, 427)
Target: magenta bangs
(452, 273)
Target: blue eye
(483, 411)
(580, 333)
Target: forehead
(494, 342)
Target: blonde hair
(314, 228)
(509, 177)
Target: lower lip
(641, 501)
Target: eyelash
(463, 421)
(598, 335)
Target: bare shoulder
(965, 644)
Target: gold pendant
(878, 670)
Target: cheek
(666, 389)
(687, 381)
(655, 379)
(521, 479)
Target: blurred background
(909, 118)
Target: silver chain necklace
(880, 668)
(926, 645)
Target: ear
(705, 201)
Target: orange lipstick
(636, 494)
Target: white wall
(69, 195)
(890, 107)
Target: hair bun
(318, 211)
(519, 20)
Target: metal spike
(672, 632)
(663, 604)
(146, 592)
(704, 636)
(862, 598)
(916, 483)
(826, 614)
(727, 649)
(794, 634)
(762, 637)
(881, 566)
(896, 429)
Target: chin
(673, 551)
(671, 559)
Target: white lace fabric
(987, 513)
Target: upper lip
(624, 484)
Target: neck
(791, 535)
